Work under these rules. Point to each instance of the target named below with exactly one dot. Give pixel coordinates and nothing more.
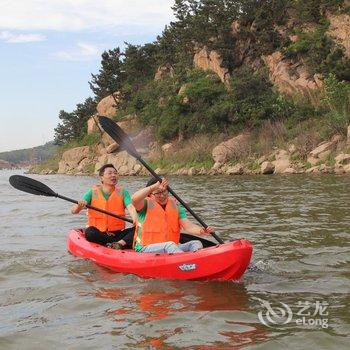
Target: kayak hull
(220, 262)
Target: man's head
(158, 195)
(108, 174)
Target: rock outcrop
(282, 162)
(92, 125)
(321, 152)
(123, 162)
(108, 105)
(75, 160)
(290, 78)
(339, 30)
(229, 149)
(267, 168)
(211, 60)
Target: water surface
(299, 226)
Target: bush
(195, 152)
(337, 99)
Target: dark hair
(151, 181)
(103, 167)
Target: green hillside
(189, 103)
(211, 107)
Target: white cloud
(83, 52)
(76, 15)
(9, 37)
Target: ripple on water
(299, 227)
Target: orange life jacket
(114, 204)
(160, 225)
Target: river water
(294, 296)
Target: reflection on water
(299, 227)
(157, 306)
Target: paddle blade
(118, 135)
(26, 184)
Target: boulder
(343, 159)
(291, 78)
(112, 148)
(267, 168)
(168, 148)
(72, 159)
(230, 149)
(92, 125)
(323, 155)
(192, 171)
(312, 160)
(122, 161)
(108, 105)
(325, 168)
(262, 159)
(106, 140)
(83, 165)
(313, 170)
(290, 171)
(100, 148)
(282, 161)
(237, 169)
(182, 171)
(339, 169)
(321, 148)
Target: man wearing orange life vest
(105, 229)
(160, 220)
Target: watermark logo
(274, 316)
(307, 314)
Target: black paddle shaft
(29, 185)
(94, 208)
(157, 177)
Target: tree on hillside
(139, 64)
(74, 124)
(205, 22)
(110, 76)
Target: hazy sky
(48, 50)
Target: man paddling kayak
(102, 228)
(161, 219)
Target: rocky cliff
(288, 77)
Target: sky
(48, 50)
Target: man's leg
(92, 234)
(125, 237)
(166, 247)
(191, 246)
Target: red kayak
(216, 262)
